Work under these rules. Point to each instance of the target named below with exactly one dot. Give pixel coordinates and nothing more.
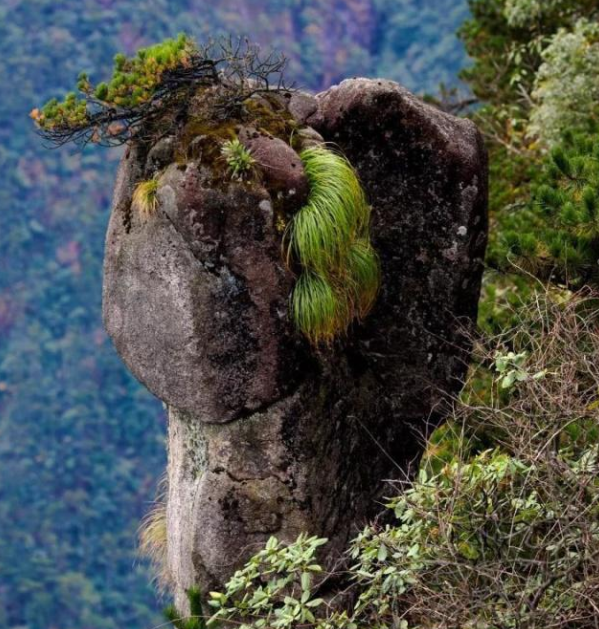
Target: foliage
(506, 39)
(275, 588)
(329, 237)
(514, 43)
(239, 159)
(487, 543)
(134, 83)
(524, 13)
(145, 199)
(501, 538)
(195, 619)
(71, 509)
(566, 88)
(156, 83)
(556, 235)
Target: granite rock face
(268, 436)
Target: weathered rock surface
(266, 436)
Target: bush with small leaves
(566, 92)
(275, 589)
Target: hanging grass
(329, 237)
(319, 310)
(336, 213)
(145, 198)
(365, 272)
(152, 534)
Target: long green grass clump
(330, 239)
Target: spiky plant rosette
(330, 240)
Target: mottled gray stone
(267, 436)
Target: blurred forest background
(82, 443)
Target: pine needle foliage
(239, 159)
(157, 84)
(195, 620)
(330, 239)
(134, 83)
(556, 237)
(145, 198)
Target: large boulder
(268, 436)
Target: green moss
(203, 139)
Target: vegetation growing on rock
(159, 81)
(206, 100)
(145, 198)
(239, 159)
(61, 384)
(330, 239)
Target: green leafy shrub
(329, 237)
(495, 542)
(500, 538)
(275, 588)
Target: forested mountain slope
(81, 443)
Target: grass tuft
(365, 273)
(239, 159)
(145, 198)
(320, 311)
(195, 619)
(152, 535)
(330, 239)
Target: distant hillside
(81, 443)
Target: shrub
(497, 539)
(275, 588)
(566, 89)
(157, 83)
